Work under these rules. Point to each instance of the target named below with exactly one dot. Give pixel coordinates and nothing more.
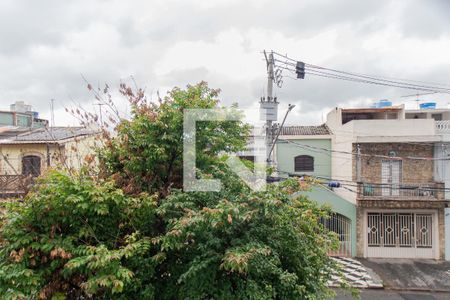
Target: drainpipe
(48, 155)
(358, 164)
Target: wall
(442, 167)
(373, 130)
(71, 154)
(15, 152)
(427, 114)
(76, 150)
(324, 196)
(447, 232)
(413, 171)
(286, 152)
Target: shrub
(132, 233)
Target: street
(378, 294)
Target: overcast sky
(46, 46)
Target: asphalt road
(394, 295)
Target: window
(437, 117)
(31, 165)
(248, 157)
(304, 163)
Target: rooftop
(372, 109)
(52, 134)
(306, 130)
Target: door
(31, 165)
(391, 177)
(400, 235)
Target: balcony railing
(443, 126)
(14, 185)
(422, 191)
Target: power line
(292, 66)
(363, 154)
(347, 183)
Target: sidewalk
(412, 275)
(356, 274)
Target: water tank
(384, 103)
(428, 105)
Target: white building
(401, 204)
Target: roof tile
(306, 130)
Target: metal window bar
(402, 190)
(340, 225)
(424, 230)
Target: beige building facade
(25, 154)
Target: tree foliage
(134, 234)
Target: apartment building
(305, 151)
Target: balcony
(420, 191)
(443, 126)
(14, 185)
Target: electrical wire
(364, 79)
(363, 154)
(382, 80)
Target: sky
(49, 46)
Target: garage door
(400, 235)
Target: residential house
(306, 151)
(441, 119)
(27, 154)
(386, 162)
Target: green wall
(323, 195)
(287, 151)
(6, 118)
(322, 167)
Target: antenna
(52, 107)
(417, 97)
(101, 114)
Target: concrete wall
(447, 232)
(324, 196)
(77, 149)
(442, 167)
(71, 154)
(427, 114)
(286, 152)
(11, 161)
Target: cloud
(47, 45)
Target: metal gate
(341, 225)
(400, 235)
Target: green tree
(134, 234)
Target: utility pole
(269, 99)
(270, 105)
